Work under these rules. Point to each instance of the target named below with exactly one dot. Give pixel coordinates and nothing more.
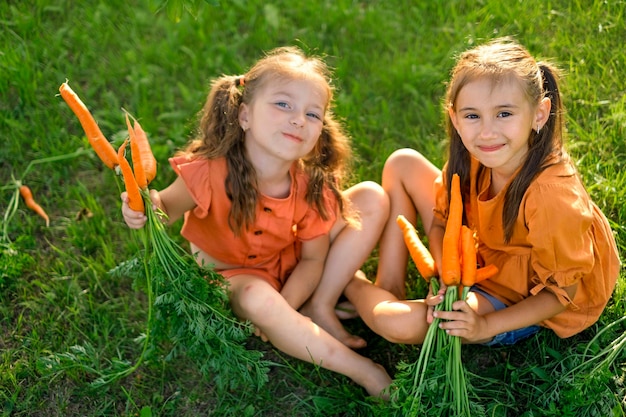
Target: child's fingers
(433, 300)
(134, 219)
(429, 315)
(259, 333)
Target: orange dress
(560, 238)
(270, 248)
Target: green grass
(391, 61)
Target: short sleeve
(196, 173)
(560, 236)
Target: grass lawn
(391, 60)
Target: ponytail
(544, 145)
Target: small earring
(538, 128)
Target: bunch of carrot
(144, 164)
(191, 302)
(458, 271)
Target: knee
(396, 330)
(372, 201)
(254, 300)
(401, 160)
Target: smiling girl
(554, 249)
(260, 191)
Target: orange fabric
(560, 238)
(272, 245)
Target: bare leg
(408, 179)
(296, 335)
(349, 249)
(398, 321)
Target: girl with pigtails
(260, 190)
(533, 219)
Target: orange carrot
(421, 256)
(140, 174)
(486, 272)
(468, 257)
(27, 195)
(98, 142)
(148, 161)
(135, 201)
(451, 265)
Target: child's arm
(307, 274)
(175, 200)
(475, 328)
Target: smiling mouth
(293, 137)
(490, 148)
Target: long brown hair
(220, 135)
(502, 59)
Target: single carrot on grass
(421, 256)
(27, 195)
(135, 200)
(97, 140)
(450, 262)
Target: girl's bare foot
(329, 321)
(377, 383)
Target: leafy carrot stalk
(140, 174)
(421, 256)
(148, 161)
(135, 200)
(458, 258)
(27, 195)
(451, 265)
(98, 142)
(437, 342)
(429, 350)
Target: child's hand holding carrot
(137, 219)
(134, 219)
(464, 322)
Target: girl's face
(285, 119)
(494, 121)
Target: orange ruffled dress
(270, 248)
(560, 238)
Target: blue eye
(314, 115)
(471, 116)
(282, 104)
(504, 114)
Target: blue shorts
(506, 338)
